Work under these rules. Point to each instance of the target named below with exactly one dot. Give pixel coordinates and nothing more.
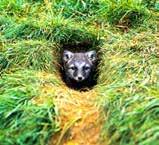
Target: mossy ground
(38, 108)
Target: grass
(124, 32)
(28, 53)
(22, 120)
(129, 87)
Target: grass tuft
(125, 13)
(22, 121)
(28, 54)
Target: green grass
(22, 121)
(28, 54)
(124, 32)
(128, 81)
(129, 87)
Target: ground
(79, 115)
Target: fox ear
(67, 55)
(92, 56)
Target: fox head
(79, 66)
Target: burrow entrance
(76, 47)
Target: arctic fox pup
(79, 68)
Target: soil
(80, 118)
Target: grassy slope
(127, 37)
(23, 120)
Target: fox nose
(79, 78)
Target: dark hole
(85, 84)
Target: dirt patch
(80, 119)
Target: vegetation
(23, 121)
(125, 34)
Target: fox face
(79, 66)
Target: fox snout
(79, 78)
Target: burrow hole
(83, 47)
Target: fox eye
(86, 67)
(73, 68)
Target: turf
(125, 34)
